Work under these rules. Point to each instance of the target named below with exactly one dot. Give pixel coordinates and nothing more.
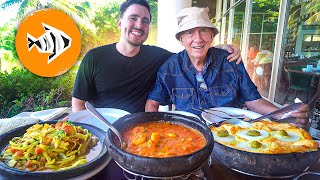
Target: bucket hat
(193, 17)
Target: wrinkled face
(197, 41)
(134, 25)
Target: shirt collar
(188, 66)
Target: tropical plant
(22, 90)
(81, 12)
(7, 44)
(313, 7)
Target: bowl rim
(5, 168)
(189, 118)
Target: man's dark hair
(128, 3)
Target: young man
(120, 75)
(201, 76)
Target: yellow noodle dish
(54, 147)
(265, 137)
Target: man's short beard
(135, 44)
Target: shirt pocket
(222, 94)
(183, 98)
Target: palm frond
(82, 11)
(314, 19)
(25, 5)
(9, 3)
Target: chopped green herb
(69, 122)
(60, 134)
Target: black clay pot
(160, 167)
(264, 165)
(13, 173)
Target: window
(311, 43)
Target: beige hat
(193, 17)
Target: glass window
(311, 43)
(256, 23)
(270, 23)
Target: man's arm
(261, 106)
(152, 106)
(77, 105)
(234, 51)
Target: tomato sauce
(162, 139)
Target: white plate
(45, 114)
(86, 117)
(185, 113)
(234, 111)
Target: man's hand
(233, 50)
(302, 116)
(263, 106)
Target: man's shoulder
(218, 51)
(102, 49)
(98, 53)
(172, 62)
(152, 48)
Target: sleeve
(84, 88)
(159, 91)
(248, 90)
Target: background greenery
(20, 90)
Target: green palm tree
(9, 3)
(25, 5)
(315, 9)
(81, 12)
(70, 7)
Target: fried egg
(292, 137)
(243, 134)
(246, 146)
(229, 138)
(269, 135)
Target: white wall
(167, 24)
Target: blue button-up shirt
(228, 84)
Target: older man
(120, 75)
(201, 77)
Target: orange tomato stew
(162, 139)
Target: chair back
(297, 80)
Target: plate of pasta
(59, 149)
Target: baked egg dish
(265, 137)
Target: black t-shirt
(108, 79)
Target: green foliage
(106, 19)
(266, 6)
(7, 42)
(20, 90)
(24, 91)
(9, 3)
(313, 7)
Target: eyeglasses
(200, 79)
(204, 32)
